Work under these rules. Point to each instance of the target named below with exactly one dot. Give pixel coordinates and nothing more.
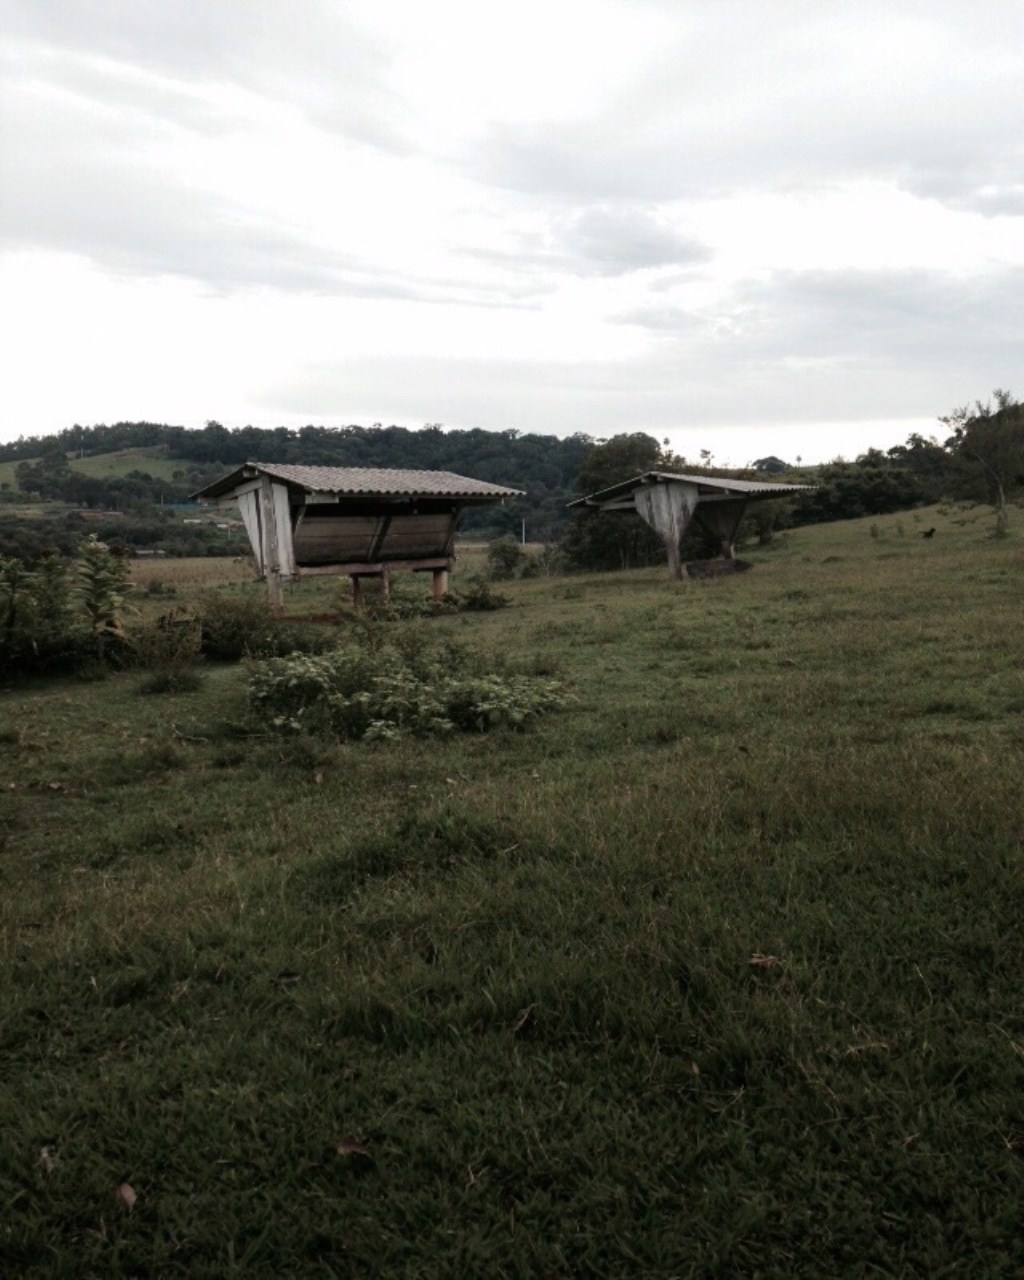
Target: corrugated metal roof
(709, 485)
(368, 482)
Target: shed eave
(709, 488)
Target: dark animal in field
(928, 533)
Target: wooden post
(385, 584)
(357, 591)
(440, 584)
(271, 551)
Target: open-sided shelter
(668, 501)
(360, 521)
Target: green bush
(40, 631)
(232, 628)
(480, 596)
(168, 649)
(399, 606)
(376, 689)
(505, 557)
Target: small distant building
(359, 521)
(668, 501)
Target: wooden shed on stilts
(668, 501)
(359, 521)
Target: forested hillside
(545, 466)
(141, 469)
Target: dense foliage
(385, 684)
(544, 466)
(57, 616)
(158, 532)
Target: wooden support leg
(385, 585)
(440, 584)
(276, 592)
(357, 591)
(675, 563)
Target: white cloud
(577, 214)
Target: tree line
(980, 458)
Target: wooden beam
(363, 569)
(377, 541)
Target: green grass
(152, 461)
(524, 974)
(119, 462)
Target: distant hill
(151, 462)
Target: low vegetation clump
(232, 628)
(60, 616)
(481, 597)
(379, 686)
(399, 606)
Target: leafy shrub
(232, 628)
(103, 589)
(505, 557)
(168, 649)
(544, 563)
(399, 607)
(376, 688)
(481, 596)
(40, 631)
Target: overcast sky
(750, 226)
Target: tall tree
(989, 444)
(619, 540)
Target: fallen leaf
(759, 961)
(125, 1196)
(525, 1019)
(46, 1160)
(318, 778)
(349, 1147)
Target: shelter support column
(271, 550)
(439, 585)
(357, 591)
(668, 508)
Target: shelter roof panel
(708, 487)
(366, 482)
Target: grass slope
(718, 973)
(152, 461)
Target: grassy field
(118, 462)
(716, 973)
